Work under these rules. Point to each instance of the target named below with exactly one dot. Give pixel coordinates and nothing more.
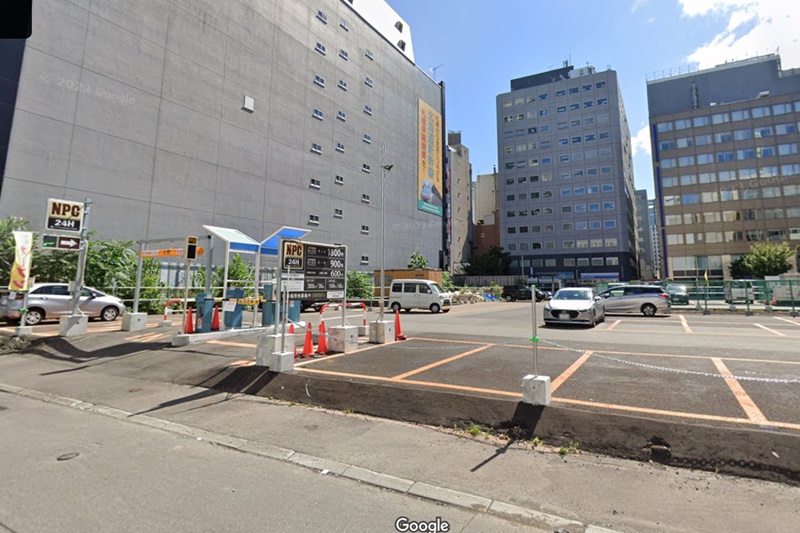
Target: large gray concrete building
(460, 205)
(646, 264)
(248, 114)
(727, 164)
(566, 176)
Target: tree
(360, 285)
(417, 262)
(493, 262)
(738, 269)
(447, 281)
(769, 259)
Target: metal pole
(138, 289)
(344, 299)
(283, 311)
(84, 250)
(186, 291)
(209, 265)
(791, 296)
(277, 296)
(534, 328)
(705, 310)
(383, 231)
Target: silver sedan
(574, 306)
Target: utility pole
(76, 289)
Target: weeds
(571, 448)
(347, 411)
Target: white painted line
(787, 320)
(685, 324)
(778, 333)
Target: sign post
(84, 250)
(535, 388)
(71, 217)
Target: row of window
(566, 226)
(544, 127)
(340, 115)
(564, 158)
(543, 112)
(716, 237)
(577, 208)
(729, 136)
(559, 93)
(322, 16)
(769, 172)
(533, 179)
(726, 156)
(576, 191)
(610, 242)
(730, 195)
(712, 217)
(733, 116)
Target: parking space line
(242, 363)
(566, 374)
(337, 355)
(439, 363)
(765, 328)
(685, 324)
(231, 343)
(612, 326)
(748, 405)
(445, 340)
(653, 331)
(787, 320)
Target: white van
(410, 294)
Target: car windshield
(573, 295)
(436, 288)
(676, 288)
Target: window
(510, 198)
(687, 199)
(604, 135)
(574, 107)
(689, 179)
(683, 124)
(317, 114)
(369, 54)
(531, 131)
(566, 209)
(511, 230)
(543, 112)
(313, 219)
(588, 103)
(580, 208)
(573, 90)
(322, 16)
(319, 80)
(783, 129)
(595, 224)
(343, 55)
(723, 137)
(365, 168)
(663, 127)
(343, 85)
(316, 148)
(720, 118)
(544, 128)
(602, 101)
(338, 213)
(743, 135)
(543, 96)
(765, 131)
(699, 122)
(563, 158)
(608, 206)
(599, 84)
(576, 139)
(567, 226)
(523, 229)
(759, 112)
(594, 207)
(547, 211)
(578, 191)
(536, 229)
(521, 116)
(315, 183)
(343, 24)
(686, 160)
(321, 48)
(561, 109)
(745, 153)
(767, 151)
(742, 114)
(592, 189)
(587, 87)
(365, 229)
(511, 213)
(608, 187)
(365, 198)
(367, 139)
(341, 115)
(364, 259)
(547, 194)
(543, 144)
(723, 157)
(368, 110)
(339, 180)
(609, 224)
(787, 149)
(669, 182)
(563, 142)
(523, 179)
(604, 152)
(589, 137)
(583, 261)
(340, 147)
(368, 81)
(561, 92)
(701, 140)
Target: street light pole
(384, 170)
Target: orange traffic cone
(215, 320)
(189, 327)
(322, 347)
(308, 346)
(398, 331)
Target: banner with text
(23, 253)
(430, 192)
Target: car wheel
(395, 307)
(109, 314)
(649, 310)
(435, 308)
(34, 316)
(594, 319)
(509, 298)
(603, 318)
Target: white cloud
(637, 4)
(755, 27)
(641, 141)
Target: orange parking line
(612, 326)
(231, 343)
(335, 356)
(751, 410)
(765, 328)
(647, 410)
(444, 340)
(566, 374)
(439, 363)
(242, 363)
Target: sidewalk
(584, 488)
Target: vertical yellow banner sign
(430, 192)
(23, 253)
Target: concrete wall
(460, 201)
(138, 104)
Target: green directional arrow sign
(49, 241)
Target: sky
(477, 47)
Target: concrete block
(165, 323)
(536, 390)
(381, 332)
(23, 331)
(281, 362)
(134, 321)
(343, 339)
(69, 326)
(269, 344)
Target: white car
(575, 306)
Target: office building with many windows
(245, 114)
(726, 161)
(565, 179)
(646, 265)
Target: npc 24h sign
(64, 215)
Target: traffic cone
(308, 346)
(398, 331)
(322, 347)
(215, 320)
(189, 327)
(291, 332)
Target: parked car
(408, 294)
(576, 306)
(646, 299)
(520, 292)
(678, 294)
(53, 300)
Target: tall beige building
(460, 206)
(485, 203)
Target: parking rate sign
(326, 267)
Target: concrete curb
(438, 494)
